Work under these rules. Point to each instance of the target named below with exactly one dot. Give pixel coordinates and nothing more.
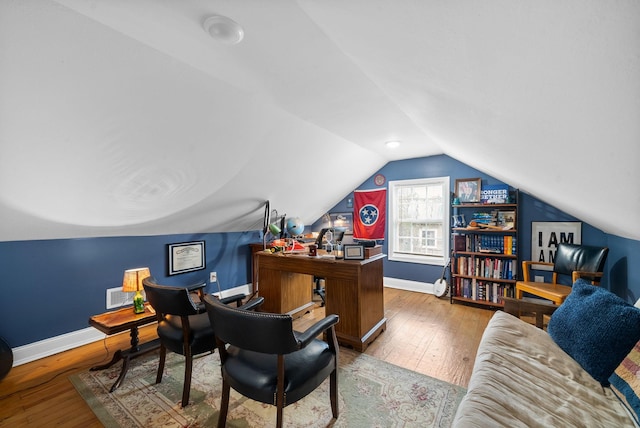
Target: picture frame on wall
(186, 257)
(343, 220)
(467, 190)
(547, 235)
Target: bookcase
(484, 252)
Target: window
(419, 220)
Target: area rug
(372, 393)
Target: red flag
(369, 213)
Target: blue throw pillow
(596, 327)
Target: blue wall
(52, 287)
(623, 262)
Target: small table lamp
(132, 281)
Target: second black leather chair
(264, 359)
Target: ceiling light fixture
(223, 29)
(392, 144)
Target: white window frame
(393, 246)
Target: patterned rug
(372, 393)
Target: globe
(294, 226)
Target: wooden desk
(354, 291)
(122, 320)
(293, 297)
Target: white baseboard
(404, 284)
(241, 289)
(54, 345)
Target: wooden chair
(264, 359)
(523, 308)
(576, 261)
(183, 327)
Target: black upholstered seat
(264, 359)
(183, 327)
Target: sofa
(581, 372)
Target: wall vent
(117, 298)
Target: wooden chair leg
(163, 357)
(188, 368)
(224, 404)
(280, 412)
(333, 391)
(280, 391)
(519, 294)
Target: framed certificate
(353, 252)
(186, 257)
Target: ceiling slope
(542, 95)
(125, 117)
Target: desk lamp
(132, 281)
(268, 226)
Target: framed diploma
(186, 257)
(353, 252)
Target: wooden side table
(122, 320)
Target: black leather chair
(575, 261)
(183, 327)
(197, 293)
(264, 359)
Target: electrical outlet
(213, 276)
(538, 278)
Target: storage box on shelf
(484, 257)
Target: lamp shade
(132, 280)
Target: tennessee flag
(369, 212)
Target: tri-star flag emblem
(369, 214)
(370, 208)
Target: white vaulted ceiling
(123, 117)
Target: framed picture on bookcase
(468, 190)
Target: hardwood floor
(424, 334)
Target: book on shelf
(459, 242)
(488, 218)
(479, 290)
(486, 267)
(509, 244)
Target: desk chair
(576, 261)
(264, 359)
(337, 237)
(318, 289)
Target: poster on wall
(547, 235)
(343, 220)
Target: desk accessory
(353, 252)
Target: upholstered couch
(582, 373)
